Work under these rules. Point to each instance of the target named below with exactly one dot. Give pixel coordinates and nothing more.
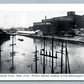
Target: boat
(20, 39)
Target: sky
(25, 15)
(24, 18)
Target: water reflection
(51, 49)
(75, 55)
(1, 43)
(12, 53)
(25, 60)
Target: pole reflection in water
(12, 54)
(62, 57)
(41, 56)
(50, 60)
(36, 59)
(73, 62)
(44, 57)
(52, 56)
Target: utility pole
(44, 51)
(62, 57)
(66, 58)
(52, 71)
(44, 57)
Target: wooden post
(56, 54)
(62, 58)
(68, 64)
(66, 58)
(40, 54)
(49, 57)
(56, 58)
(52, 70)
(44, 57)
(67, 61)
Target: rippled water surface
(24, 61)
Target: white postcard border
(43, 7)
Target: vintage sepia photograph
(41, 39)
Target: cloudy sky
(24, 15)
(25, 18)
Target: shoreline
(64, 39)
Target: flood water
(24, 58)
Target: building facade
(60, 25)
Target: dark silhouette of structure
(61, 25)
(4, 35)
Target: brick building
(60, 25)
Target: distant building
(60, 25)
(26, 33)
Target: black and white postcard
(41, 42)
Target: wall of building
(60, 25)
